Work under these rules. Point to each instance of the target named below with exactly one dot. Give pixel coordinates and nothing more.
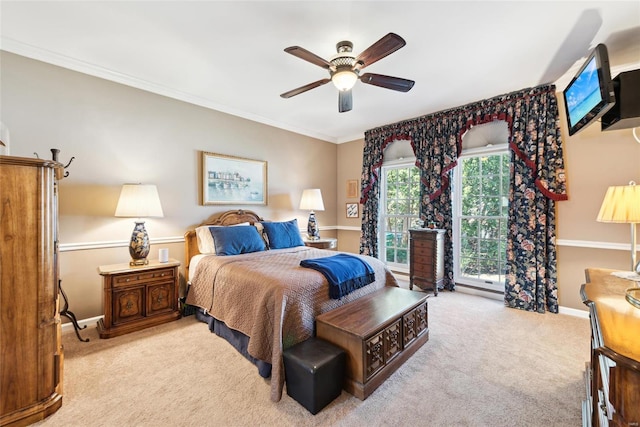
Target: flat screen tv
(590, 94)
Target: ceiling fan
(344, 69)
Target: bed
(263, 301)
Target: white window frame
(382, 249)
(457, 212)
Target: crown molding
(50, 57)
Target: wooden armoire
(31, 356)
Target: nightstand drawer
(142, 277)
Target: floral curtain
(537, 182)
(538, 174)
(375, 142)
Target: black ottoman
(314, 372)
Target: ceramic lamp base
(313, 231)
(139, 245)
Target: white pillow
(205, 239)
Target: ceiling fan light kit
(345, 75)
(344, 69)
(344, 79)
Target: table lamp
(139, 201)
(621, 204)
(312, 200)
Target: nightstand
(137, 297)
(322, 243)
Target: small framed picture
(352, 188)
(353, 210)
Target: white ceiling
(229, 56)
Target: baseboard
(82, 323)
(479, 292)
(573, 312)
(562, 310)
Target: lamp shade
(312, 200)
(139, 201)
(621, 204)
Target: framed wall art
(229, 180)
(353, 210)
(352, 188)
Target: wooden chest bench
(378, 332)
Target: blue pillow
(283, 235)
(237, 240)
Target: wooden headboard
(233, 217)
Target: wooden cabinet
(613, 373)
(31, 355)
(378, 332)
(426, 259)
(137, 297)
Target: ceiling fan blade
(305, 88)
(387, 82)
(303, 53)
(345, 101)
(383, 47)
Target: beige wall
(349, 168)
(594, 160)
(119, 134)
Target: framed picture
(228, 180)
(352, 188)
(353, 210)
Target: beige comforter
(270, 298)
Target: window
(399, 211)
(481, 209)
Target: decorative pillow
(283, 234)
(205, 239)
(260, 228)
(236, 240)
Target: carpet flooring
(484, 365)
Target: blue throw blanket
(345, 273)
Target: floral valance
(526, 109)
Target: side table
(137, 297)
(322, 243)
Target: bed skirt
(237, 339)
